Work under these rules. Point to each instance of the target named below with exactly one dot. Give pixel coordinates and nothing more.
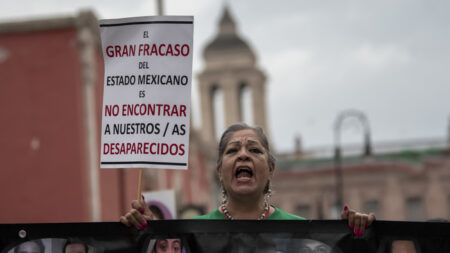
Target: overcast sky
(388, 58)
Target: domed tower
(230, 66)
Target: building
(231, 68)
(51, 92)
(409, 185)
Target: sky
(387, 59)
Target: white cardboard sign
(147, 92)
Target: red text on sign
(146, 110)
(148, 50)
(146, 148)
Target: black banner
(208, 236)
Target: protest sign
(147, 92)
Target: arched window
(246, 104)
(217, 97)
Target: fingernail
(140, 227)
(345, 208)
(141, 210)
(352, 226)
(361, 232)
(367, 225)
(144, 224)
(143, 197)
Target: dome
(227, 41)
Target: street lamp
(361, 117)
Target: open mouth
(244, 172)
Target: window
(217, 97)
(246, 104)
(414, 209)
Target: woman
(245, 167)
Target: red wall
(41, 100)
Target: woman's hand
(138, 215)
(357, 221)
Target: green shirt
(278, 214)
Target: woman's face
(168, 246)
(245, 169)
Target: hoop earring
(224, 194)
(267, 192)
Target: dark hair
(156, 211)
(38, 243)
(242, 126)
(74, 241)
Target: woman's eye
(255, 150)
(230, 151)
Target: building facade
(230, 67)
(408, 185)
(50, 98)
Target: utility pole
(361, 117)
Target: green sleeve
(277, 215)
(282, 215)
(214, 215)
